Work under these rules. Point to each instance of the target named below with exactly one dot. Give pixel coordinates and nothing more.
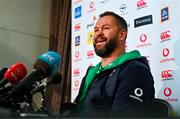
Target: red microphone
(14, 74)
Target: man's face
(105, 36)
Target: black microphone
(53, 79)
(2, 72)
(5, 90)
(45, 65)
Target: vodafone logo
(138, 92)
(167, 91)
(165, 52)
(141, 3)
(165, 35)
(143, 43)
(143, 37)
(76, 83)
(166, 74)
(77, 54)
(91, 5)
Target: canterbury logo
(165, 35)
(166, 74)
(76, 71)
(141, 3)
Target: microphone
(5, 90)
(2, 72)
(46, 64)
(53, 79)
(14, 74)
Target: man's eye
(95, 30)
(106, 27)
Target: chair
(161, 108)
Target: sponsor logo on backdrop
(166, 52)
(168, 92)
(90, 54)
(77, 56)
(143, 41)
(76, 85)
(77, 40)
(76, 72)
(165, 36)
(141, 4)
(123, 9)
(165, 14)
(77, 1)
(104, 1)
(91, 25)
(77, 27)
(91, 7)
(143, 38)
(94, 18)
(145, 20)
(166, 75)
(90, 37)
(78, 11)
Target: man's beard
(108, 48)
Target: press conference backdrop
(153, 29)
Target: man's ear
(122, 35)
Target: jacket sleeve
(134, 92)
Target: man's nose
(100, 32)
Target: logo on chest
(138, 93)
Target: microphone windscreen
(48, 62)
(15, 73)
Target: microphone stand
(42, 108)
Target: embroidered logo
(138, 93)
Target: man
(121, 85)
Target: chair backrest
(161, 108)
